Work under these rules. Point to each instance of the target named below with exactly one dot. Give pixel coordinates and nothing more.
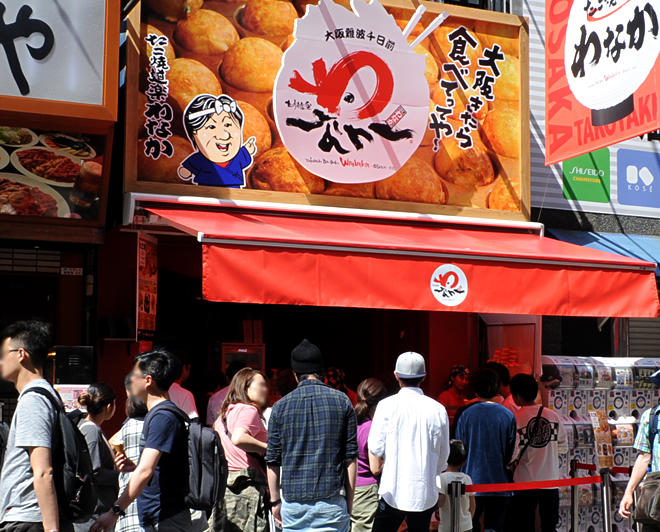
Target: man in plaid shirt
(312, 450)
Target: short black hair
(234, 367)
(163, 367)
(305, 376)
(184, 357)
(136, 408)
(411, 383)
(525, 386)
(33, 336)
(458, 453)
(501, 370)
(285, 382)
(486, 383)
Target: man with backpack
(28, 499)
(162, 472)
(646, 468)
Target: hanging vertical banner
(147, 287)
(601, 63)
(602, 439)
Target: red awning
(294, 260)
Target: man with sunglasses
(28, 502)
(162, 469)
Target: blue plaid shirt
(312, 434)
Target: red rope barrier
(592, 467)
(542, 484)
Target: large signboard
(618, 179)
(601, 59)
(331, 104)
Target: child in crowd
(457, 459)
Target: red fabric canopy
(293, 260)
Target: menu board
(50, 174)
(345, 103)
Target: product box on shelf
(640, 400)
(577, 404)
(558, 401)
(564, 524)
(623, 434)
(622, 456)
(596, 400)
(564, 466)
(618, 403)
(594, 518)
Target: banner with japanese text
(147, 287)
(601, 79)
(334, 104)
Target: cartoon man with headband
(214, 125)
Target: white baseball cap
(410, 365)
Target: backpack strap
(653, 427)
(180, 414)
(57, 405)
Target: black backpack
(4, 436)
(72, 466)
(207, 465)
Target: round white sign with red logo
(351, 99)
(449, 285)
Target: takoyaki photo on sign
(214, 125)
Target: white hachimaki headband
(216, 109)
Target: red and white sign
(351, 100)
(449, 285)
(601, 74)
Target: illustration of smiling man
(214, 125)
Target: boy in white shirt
(457, 459)
(541, 439)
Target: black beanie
(306, 358)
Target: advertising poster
(147, 287)
(346, 103)
(602, 439)
(50, 174)
(601, 81)
(70, 393)
(617, 179)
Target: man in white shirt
(541, 439)
(181, 397)
(409, 442)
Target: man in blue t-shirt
(489, 432)
(162, 470)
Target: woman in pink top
(243, 434)
(365, 504)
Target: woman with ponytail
(365, 504)
(99, 401)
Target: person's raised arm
(44, 487)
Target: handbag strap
(653, 427)
(530, 437)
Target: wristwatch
(116, 509)
(276, 503)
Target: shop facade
(58, 108)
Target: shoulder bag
(647, 510)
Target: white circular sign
(449, 285)
(611, 47)
(351, 99)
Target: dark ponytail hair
(369, 393)
(97, 397)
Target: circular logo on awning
(449, 285)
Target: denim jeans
(389, 519)
(325, 515)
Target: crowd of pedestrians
(321, 458)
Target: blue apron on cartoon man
(215, 128)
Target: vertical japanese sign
(147, 287)
(602, 438)
(601, 60)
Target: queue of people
(312, 462)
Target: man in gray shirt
(28, 502)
